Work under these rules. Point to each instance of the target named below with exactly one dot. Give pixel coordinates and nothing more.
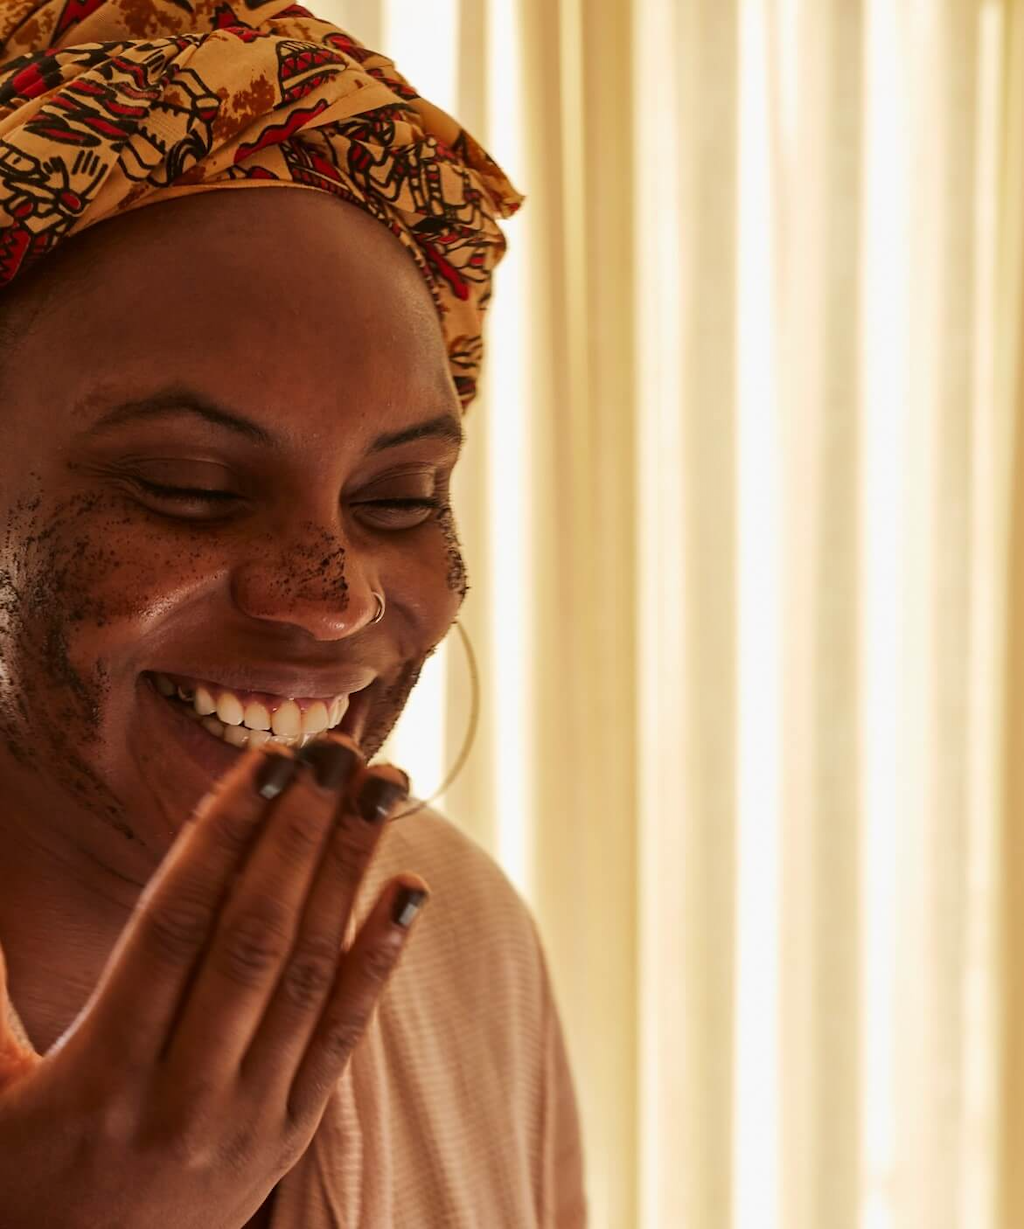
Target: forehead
(283, 299)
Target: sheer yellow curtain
(1010, 392)
(737, 509)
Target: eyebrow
(171, 402)
(445, 426)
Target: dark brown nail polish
(407, 904)
(332, 763)
(275, 774)
(377, 797)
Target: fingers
(236, 943)
(255, 935)
(132, 1010)
(312, 966)
(364, 972)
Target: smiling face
(229, 421)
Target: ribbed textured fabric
(457, 1109)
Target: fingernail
(332, 763)
(377, 797)
(408, 902)
(274, 774)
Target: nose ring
(380, 611)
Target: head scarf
(109, 105)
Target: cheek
(434, 582)
(78, 584)
(457, 578)
(94, 569)
(389, 705)
(444, 578)
(433, 585)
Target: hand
(198, 1071)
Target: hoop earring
(380, 611)
(474, 720)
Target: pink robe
(457, 1109)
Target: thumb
(16, 1058)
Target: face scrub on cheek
(50, 706)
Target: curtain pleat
(1008, 1135)
(816, 84)
(685, 125)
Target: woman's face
(262, 347)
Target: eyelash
(191, 494)
(185, 492)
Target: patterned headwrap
(108, 105)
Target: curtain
(743, 507)
(1008, 1130)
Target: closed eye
(401, 503)
(186, 492)
(384, 513)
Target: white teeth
(314, 719)
(253, 724)
(204, 703)
(287, 719)
(229, 710)
(256, 716)
(236, 735)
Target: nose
(312, 586)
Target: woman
(231, 421)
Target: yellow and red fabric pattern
(110, 105)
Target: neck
(61, 913)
